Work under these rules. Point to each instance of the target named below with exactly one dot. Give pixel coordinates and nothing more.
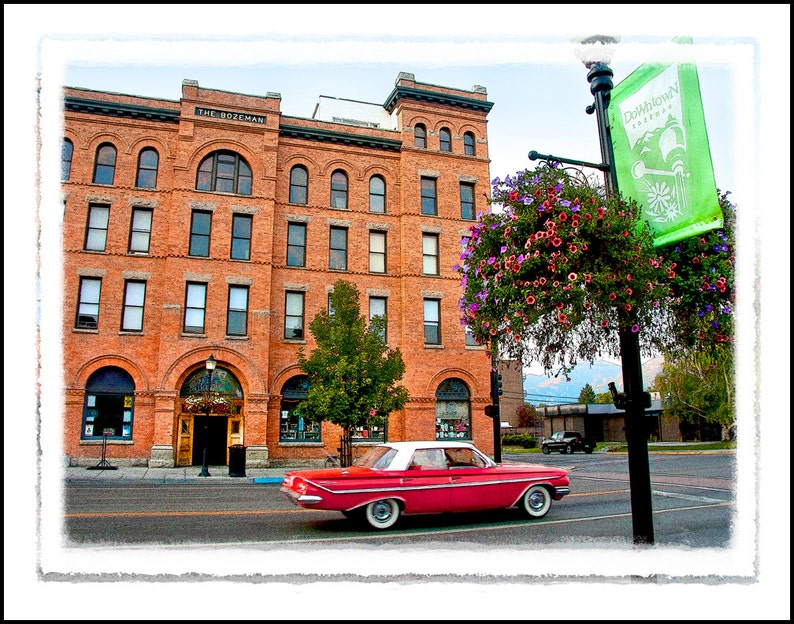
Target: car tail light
(301, 488)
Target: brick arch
(91, 366)
(284, 375)
(458, 373)
(375, 169)
(339, 163)
(95, 140)
(418, 119)
(297, 159)
(215, 145)
(138, 144)
(247, 374)
(444, 123)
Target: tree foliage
(587, 395)
(698, 385)
(352, 373)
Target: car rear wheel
(546, 450)
(536, 501)
(569, 449)
(382, 514)
(588, 451)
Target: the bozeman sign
(229, 115)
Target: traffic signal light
(492, 411)
(496, 387)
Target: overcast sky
(521, 54)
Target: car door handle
(455, 478)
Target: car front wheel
(546, 450)
(536, 501)
(382, 514)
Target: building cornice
(339, 138)
(114, 109)
(433, 97)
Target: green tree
(603, 398)
(352, 373)
(587, 395)
(698, 385)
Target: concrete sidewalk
(172, 475)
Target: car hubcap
(381, 511)
(536, 500)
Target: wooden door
(184, 448)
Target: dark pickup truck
(568, 442)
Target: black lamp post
(595, 53)
(210, 364)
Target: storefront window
(108, 408)
(453, 411)
(294, 424)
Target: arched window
(468, 144)
(67, 149)
(299, 185)
(223, 382)
(453, 410)
(109, 405)
(338, 189)
(224, 172)
(420, 136)
(295, 425)
(148, 161)
(377, 194)
(105, 164)
(445, 140)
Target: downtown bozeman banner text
(661, 150)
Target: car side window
(429, 459)
(464, 458)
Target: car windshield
(377, 458)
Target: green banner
(661, 150)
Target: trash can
(237, 460)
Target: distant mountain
(538, 388)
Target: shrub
(524, 440)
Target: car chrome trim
(434, 486)
(562, 490)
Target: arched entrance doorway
(215, 412)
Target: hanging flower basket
(213, 402)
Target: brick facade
(361, 140)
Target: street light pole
(210, 365)
(633, 400)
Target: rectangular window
(241, 236)
(466, 201)
(195, 303)
(337, 257)
(470, 341)
(134, 297)
(377, 252)
(377, 307)
(88, 305)
(429, 197)
(293, 316)
(200, 224)
(296, 244)
(432, 321)
(237, 315)
(96, 234)
(140, 230)
(430, 254)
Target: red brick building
(216, 226)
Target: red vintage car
(425, 477)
